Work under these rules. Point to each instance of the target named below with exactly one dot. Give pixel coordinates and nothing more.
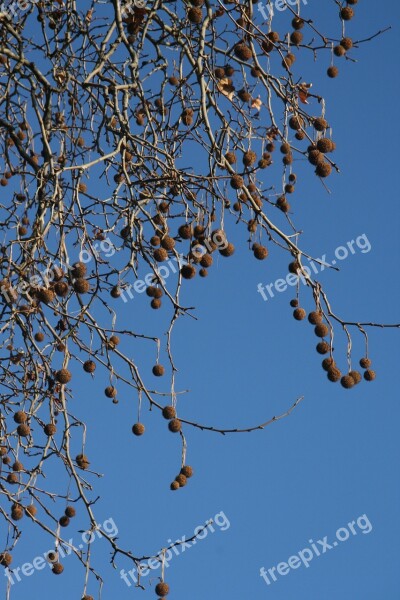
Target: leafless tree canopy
(134, 137)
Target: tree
(191, 118)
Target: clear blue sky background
(336, 457)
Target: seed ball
(296, 38)
(57, 568)
(219, 72)
(288, 60)
(185, 232)
(158, 370)
(160, 254)
(23, 430)
(332, 72)
(260, 252)
(365, 363)
(296, 122)
(12, 478)
(315, 157)
(46, 296)
(64, 521)
(175, 425)
(287, 159)
(155, 303)
(61, 288)
(113, 341)
(356, 375)
(31, 510)
(181, 479)
(70, 512)
(115, 292)
(297, 23)
(273, 36)
(347, 43)
(237, 182)
(52, 556)
(6, 460)
(294, 267)
(334, 374)
(168, 243)
(17, 466)
(81, 286)
(174, 486)
(263, 163)
(173, 80)
(339, 50)
(5, 559)
(346, 13)
(325, 145)
(78, 270)
(82, 461)
(228, 251)
(195, 15)
(20, 416)
(89, 366)
(110, 391)
(188, 271)
(323, 169)
(155, 241)
(169, 412)
(206, 260)
(249, 158)
(162, 589)
(229, 70)
(321, 330)
(125, 232)
(87, 598)
(294, 303)
(242, 51)
(244, 97)
(285, 148)
(300, 135)
(299, 314)
(315, 317)
(328, 363)
(187, 471)
(138, 429)
(230, 157)
(369, 375)
(320, 124)
(63, 376)
(50, 429)
(17, 512)
(347, 381)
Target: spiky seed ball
(155, 303)
(230, 157)
(188, 271)
(285, 148)
(294, 267)
(185, 232)
(288, 60)
(332, 72)
(115, 292)
(315, 157)
(5, 559)
(46, 296)
(299, 314)
(61, 288)
(20, 416)
(242, 51)
(244, 95)
(294, 303)
(228, 251)
(187, 471)
(347, 43)
(356, 375)
(328, 363)
(23, 430)
(78, 270)
(315, 317)
(347, 381)
(365, 363)
(89, 366)
(195, 15)
(50, 429)
(203, 272)
(31, 510)
(158, 370)
(288, 159)
(70, 512)
(181, 479)
(300, 135)
(113, 341)
(273, 36)
(297, 23)
(339, 50)
(82, 461)
(162, 589)
(64, 521)
(249, 158)
(169, 412)
(17, 466)
(57, 568)
(125, 232)
(17, 512)
(158, 292)
(321, 330)
(296, 122)
(325, 145)
(63, 376)
(296, 38)
(12, 478)
(206, 260)
(39, 336)
(138, 429)
(334, 374)
(160, 254)
(175, 425)
(323, 169)
(229, 70)
(168, 243)
(219, 72)
(155, 240)
(346, 13)
(110, 391)
(81, 286)
(320, 124)
(174, 486)
(369, 375)
(260, 252)
(237, 182)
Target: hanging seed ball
(185, 232)
(294, 303)
(70, 512)
(219, 72)
(325, 145)
(296, 122)
(113, 341)
(20, 416)
(158, 370)
(328, 363)
(17, 512)
(168, 243)
(228, 251)
(6, 460)
(273, 36)
(78, 270)
(125, 232)
(138, 429)
(155, 303)
(356, 375)
(173, 80)
(46, 296)
(150, 291)
(5, 559)
(346, 13)
(181, 479)
(288, 60)
(61, 288)
(237, 182)
(89, 366)
(288, 159)
(249, 158)
(206, 260)
(347, 381)
(50, 429)
(81, 286)
(299, 314)
(334, 374)
(17, 466)
(315, 157)
(63, 376)
(230, 157)
(242, 51)
(285, 148)
(12, 478)
(187, 471)
(289, 188)
(87, 598)
(52, 556)
(169, 412)
(294, 267)
(155, 241)
(321, 330)
(332, 72)
(57, 568)
(320, 124)
(31, 510)
(174, 486)
(175, 425)
(229, 70)
(260, 252)
(315, 317)
(39, 336)
(110, 391)
(300, 135)
(160, 254)
(203, 272)
(115, 292)
(297, 23)
(339, 50)
(162, 589)
(244, 96)
(82, 461)
(369, 375)
(64, 521)
(347, 43)
(195, 15)
(188, 271)
(323, 348)
(323, 169)
(23, 430)
(296, 37)
(365, 363)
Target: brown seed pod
(138, 429)
(325, 145)
(285, 148)
(365, 363)
(63, 376)
(82, 461)
(219, 72)
(288, 60)
(203, 272)
(20, 416)
(228, 251)
(12, 477)
(61, 288)
(347, 381)
(115, 292)
(110, 391)
(296, 122)
(187, 471)
(347, 43)
(89, 366)
(369, 375)
(173, 80)
(125, 232)
(260, 252)
(356, 375)
(155, 303)
(299, 314)
(315, 157)
(185, 232)
(181, 479)
(50, 429)
(332, 72)
(31, 510)
(346, 13)
(334, 374)
(195, 15)
(339, 50)
(57, 568)
(174, 486)
(81, 286)
(323, 169)
(46, 296)
(155, 240)
(321, 330)
(5, 559)
(78, 270)
(188, 271)
(328, 363)
(320, 124)
(175, 425)
(169, 412)
(64, 521)
(113, 341)
(17, 512)
(17, 466)
(168, 243)
(237, 182)
(162, 589)
(160, 254)
(244, 96)
(294, 267)
(23, 430)
(70, 512)
(158, 370)
(249, 158)
(297, 23)
(206, 260)
(230, 157)
(296, 38)
(242, 51)
(87, 598)
(315, 317)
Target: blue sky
(334, 459)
